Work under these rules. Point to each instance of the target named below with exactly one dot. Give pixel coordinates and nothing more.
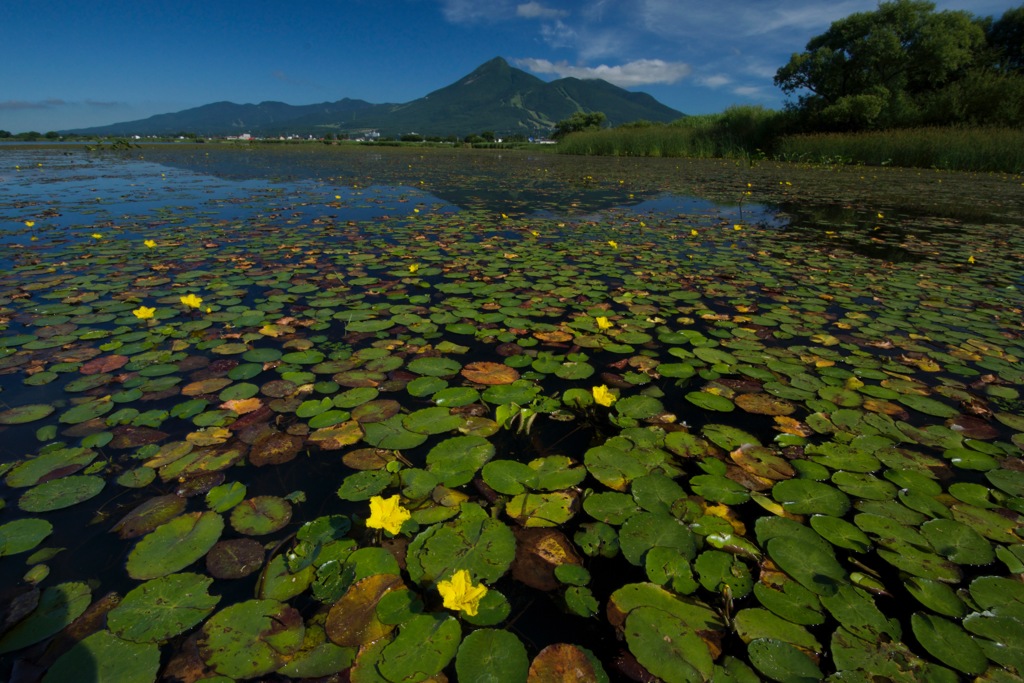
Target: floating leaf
(26, 413)
(486, 651)
(175, 545)
(58, 606)
(948, 643)
(261, 515)
(61, 493)
(251, 638)
(22, 535)
(486, 372)
(107, 658)
(424, 646)
(162, 608)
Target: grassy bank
(757, 133)
(963, 149)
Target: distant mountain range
(495, 97)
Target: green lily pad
(26, 413)
(949, 643)
(803, 496)
(22, 535)
(958, 542)
(486, 651)
(781, 661)
(175, 545)
(251, 638)
(261, 515)
(424, 646)
(666, 647)
(57, 494)
(473, 541)
(107, 658)
(58, 606)
(646, 530)
(456, 460)
(162, 608)
(49, 465)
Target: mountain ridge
(495, 96)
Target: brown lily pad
(235, 559)
(274, 448)
(486, 372)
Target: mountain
(495, 97)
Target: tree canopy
(907, 64)
(578, 122)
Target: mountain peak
(495, 96)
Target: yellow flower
(603, 323)
(613, 244)
(149, 243)
(97, 236)
(29, 224)
(144, 312)
(387, 514)
(460, 593)
(737, 227)
(413, 267)
(603, 396)
(191, 300)
(693, 232)
(970, 259)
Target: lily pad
(486, 651)
(61, 493)
(26, 413)
(162, 608)
(424, 646)
(107, 658)
(22, 535)
(58, 606)
(175, 545)
(261, 515)
(251, 638)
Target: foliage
(579, 121)
(968, 149)
(890, 67)
(741, 130)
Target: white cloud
(750, 91)
(535, 10)
(716, 81)
(471, 11)
(638, 72)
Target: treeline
(902, 85)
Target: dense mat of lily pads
(449, 443)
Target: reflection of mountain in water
(515, 184)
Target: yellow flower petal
(387, 514)
(603, 323)
(149, 243)
(144, 312)
(459, 593)
(191, 300)
(603, 396)
(613, 244)
(29, 224)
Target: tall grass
(737, 132)
(756, 132)
(964, 149)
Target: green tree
(868, 69)
(578, 122)
(5, 134)
(1006, 39)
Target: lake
(371, 413)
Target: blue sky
(77, 63)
